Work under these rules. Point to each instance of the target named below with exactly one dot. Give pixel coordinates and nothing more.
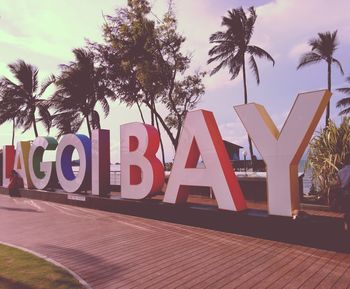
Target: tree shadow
(11, 284)
(95, 267)
(19, 209)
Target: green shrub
(328, 150)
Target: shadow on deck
(319, 229)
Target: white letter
(283, 150)
(68, 181)
(200, 136)
(41, 172)
(100, 162)
(141, 172)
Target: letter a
(141, 172)
(200, 136)
(283, 150)
(7, 164)
(21, 163)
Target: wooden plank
(110, 250)
(336, 274)
(297, 275)
(298, 256)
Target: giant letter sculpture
(141, 172)
(100, 162)
(283, 150)
(21, 163)
(8, 159)
(69, 182)
(200, 136)
(41, 172)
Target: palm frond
(338, 64)
(308, 59)
(105, 106)
(232, 43)
(254, 68)
(345, 90)
(45, 116)
(261, 53)
(49, 81)
(345, 111)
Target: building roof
(231, 145)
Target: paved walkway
(111, 250)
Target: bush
(328, 150)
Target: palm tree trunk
(35, 128)
(161, 142)
(152, 112)
(328, 112)
(88, 125)
(140, 111)
(245, 102)
(245, 84)
(164, 125)
(13, 131)
(329, 109)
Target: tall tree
(146, 66)
(322, 49)
(232, 46)
(20, 100)
(9, 111)
(80, 86)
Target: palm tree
(80, 87)
(20, 100)
(232, 46)
(9, 111)
(323, 48)
(344, 102)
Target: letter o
(68, 181)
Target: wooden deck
(111, 250)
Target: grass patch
(21, 270)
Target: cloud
(45, 32)
(235, 132)
(288, 22)
(52, 28)
(298, 50)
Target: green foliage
(19, 269)
(232, 45)
(168, 167)
(22, 98)
(144, 62)
(344, 103)
(322, 49)
(80, 86)
(328, 151)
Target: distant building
(232, 150)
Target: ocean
(307, 181)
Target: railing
(114, 177)
(241, 165)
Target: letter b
(141, 172)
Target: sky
(44, 33)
